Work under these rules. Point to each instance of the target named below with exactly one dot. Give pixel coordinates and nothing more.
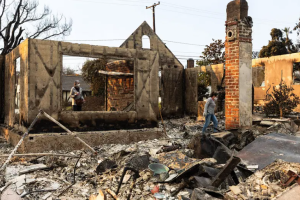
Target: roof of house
(68, 83)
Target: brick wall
(232, 83)
(238, 48)
(120, 89)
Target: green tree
(282, 100)
(204, 80)
(297, 28)
(288, 42)
(90, 73)
(213, 53)
(279, 45)
(69, 71)
(21, 19)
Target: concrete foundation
(37, 143)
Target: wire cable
(182, 8)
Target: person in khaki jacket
(77, 96)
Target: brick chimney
(238, 77)
(190, 63)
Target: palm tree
(291, 48)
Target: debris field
(183, 165)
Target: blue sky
(191, 21)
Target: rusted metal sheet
(266, 149)
(293, 177)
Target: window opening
(146, 42)
(106, 85)
(17, 87)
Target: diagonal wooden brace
(20, 142)
(70, 132)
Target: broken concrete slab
(266, 149)
(256, 118)
(11, 172)
(223, 135)
(46, 196)
(32, 168)
(267, 123)
(20, 180)
(235, 189)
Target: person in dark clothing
(77, 97)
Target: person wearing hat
(77, 97)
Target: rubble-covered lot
(183, 165)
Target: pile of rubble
(185, 165)
(267, 183)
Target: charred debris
(244, 164)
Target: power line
(125, 39)
(176, 6)
(190, 13)
(102, 2)
(259, 22)
(183, 43)
(193, 9)
(92, 40)
(163, 41)
(216, 13)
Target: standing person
(209, 112)
(77, 97)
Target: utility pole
(153, 10)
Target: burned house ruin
(136, 78)
(132, 96)
(144, 141)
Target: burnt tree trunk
(2, 88)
